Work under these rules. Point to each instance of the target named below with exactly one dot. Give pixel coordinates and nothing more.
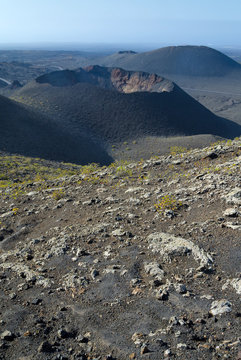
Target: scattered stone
(181, 346)
(138, 338)
(36, 301)
(234, 226)
(181, 288)
(211, 155)
(162, 295)
(231, 212)
(45, 347)
(109, 357)
(167, 353)
(156, 283)
(32, 193)
(132, 356)
(63, 334)
(135, 282)
(235, 283)
(118, 218)
(113, 269)
(134, 190)
(155, 270)
(82, 339)
(220, 307)
(118, 232)
(161, 342)
(234, 197)
(12, 296)
(169, 213)
(7, 335)
(94, 274)
(9, 213)
(144, 349)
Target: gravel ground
(131, 261)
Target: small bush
(15, 210)
(58, 194)
(174, 150)
(123, 170)
(167, 202)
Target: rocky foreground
(131, 261)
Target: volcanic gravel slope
(116, 105)
(25, 131)
(91, 268)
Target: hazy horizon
(104, 48)
(108, 23)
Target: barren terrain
(131, 261)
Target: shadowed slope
(26, 132)
(116, 105)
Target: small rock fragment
(181, 288)
(7, 335)
(234, 197)
(181, 346)
(36, 301)
(169, 213)
(82, 339)
(63, 334)
(162, 295)
(220, 307)
(94, 273)
(132, 356)
(45, 346)
(154, 269)
(118, 232)
(138, 338)
(231, 212)
(144, 349)
(167, 353)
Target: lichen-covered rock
(234, 197)
(235, 283)
(155, 270)
(231, 212)
(219, 307)
(170, 246)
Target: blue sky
(208, 22)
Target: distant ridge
(176, 60)
(127, 52)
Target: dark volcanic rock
(45, 347)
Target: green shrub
(167, 202)
(174, 150)
(58, 194)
